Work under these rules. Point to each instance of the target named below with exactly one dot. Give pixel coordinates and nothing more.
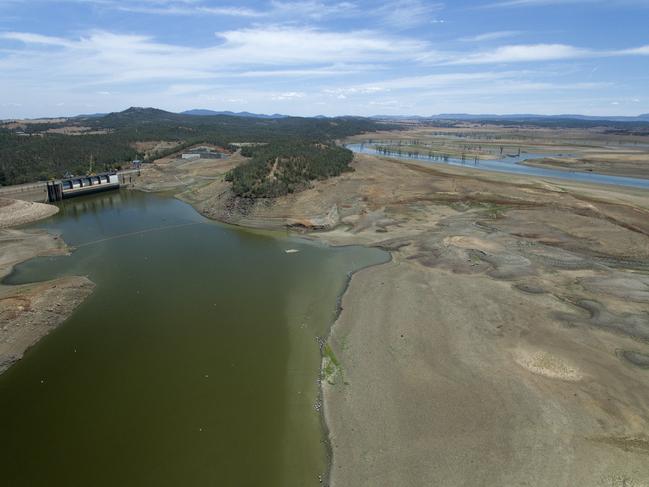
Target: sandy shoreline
(493, 338)
(18, 212)
(431, 395)
(29, 312)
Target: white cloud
(189, 8)
(535, 3)
(641, 51)
(29, 38)
(306, 9)
(287, 64)
(536, 53)
(282, 45)
(157, 7)
(423, 82)
(313, 9)
(344, 92)
(491, 36)
(289, 95)
(391, 13)
(273, 52)
(407, 13)
(312, 72)
(385, 103)
(104, 57)
(544, 3)
(523, 53)
(477, 83)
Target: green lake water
(193, 363)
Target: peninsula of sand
(28, 312)
(507, 341)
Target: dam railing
(38, 191)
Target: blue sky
(314, 57)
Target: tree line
(42, 155)
(286, 167)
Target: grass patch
(494, 210)
(331, 368)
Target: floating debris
(291, 251)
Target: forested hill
(286, 167)
(39, 151)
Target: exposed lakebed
(194, 362)
(509, 164)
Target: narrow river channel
(193, 363)
(509, 164)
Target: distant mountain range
(157, 114)
(514, 117)
(206, 113)
(443, 116)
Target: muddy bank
(505, 343)
(508, 334)
(631, 169)
(459, 361)
(28, 312)
(440, 372)
(18, 212)
(593, 149)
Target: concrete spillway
(70, 187)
